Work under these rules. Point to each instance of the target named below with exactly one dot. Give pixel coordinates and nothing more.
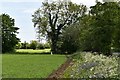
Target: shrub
(33, 44)
(70, 39)
(40, 46)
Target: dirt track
(57, 73)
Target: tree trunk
(54, 38)
(54, 44)
(54, 47)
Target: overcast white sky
(21, 11)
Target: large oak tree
(53, 17)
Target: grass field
(32, 51)
(30, 66)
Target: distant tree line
(32, 45)
(69, 27)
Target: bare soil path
(55, 75)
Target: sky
(22, 10)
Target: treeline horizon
(33, 44)
(69, 27)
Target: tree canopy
(68, 25)
(101, 28)
(53, 17)
(9, 39)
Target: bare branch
(50, 20)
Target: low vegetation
(88, 65)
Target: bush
(70, 39)
(25, 45)
(18, 46)
(33, 44)
(40, 46)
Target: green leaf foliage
(9, 39)
(53, 17)
(100, 28)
